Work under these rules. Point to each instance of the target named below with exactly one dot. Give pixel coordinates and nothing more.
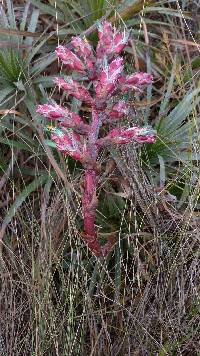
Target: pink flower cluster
(103, 73)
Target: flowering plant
(79, 139)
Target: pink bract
(69, 144)
(110, 42)
(51, 111)
(83, 49)
(108, 78)
(69, 59)
(124, 135)
(59, 112)
(119, 110)
(136, 81)
(75, 89)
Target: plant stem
(90, 202)
(89, 199)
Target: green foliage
(78, 14)
(176, 131)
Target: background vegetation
(55, 297)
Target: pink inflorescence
(103, 73)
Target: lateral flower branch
(103, 72)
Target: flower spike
(104, 104)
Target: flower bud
(69, 59)
(108, 78)
(65, 117)
(56, 111)
(51, 111)
(75, 89)
(84, 50)
(136, 81)
(110, 41)
(68, 143)
(120, 41)
(124, 135)
(105, 31)
(119, 110)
